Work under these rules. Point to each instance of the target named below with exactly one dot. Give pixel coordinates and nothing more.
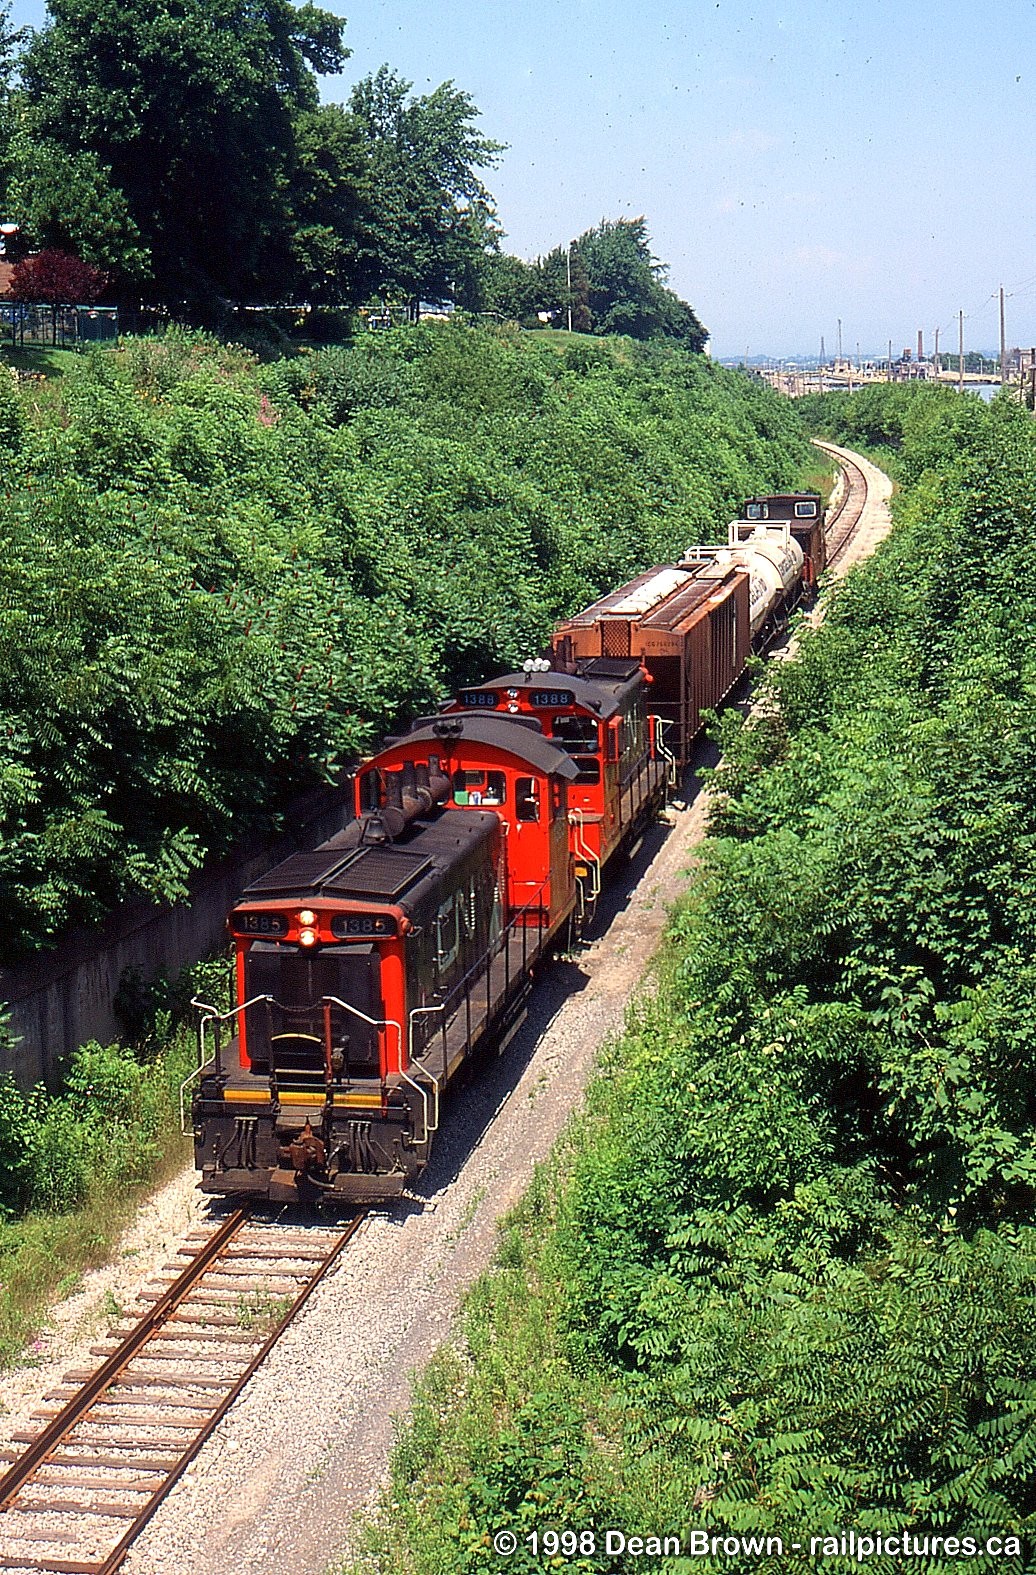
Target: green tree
(432, 218)
(68, 201)
(627, 289)
(566, 288)
(9, 40)
(511, 288)
(330, 193)
(186, 113)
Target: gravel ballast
(306, 1446)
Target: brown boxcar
(804, 512)
(688, 624)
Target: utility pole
(568, 262)
(935, 356)
(960, 364)
(1003, 338)
(839, 341)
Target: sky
(799, 165)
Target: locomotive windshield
(302, 1030)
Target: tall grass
(74, 1165)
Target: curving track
(114, 1441)
(843, 522)
(109, 1449)
(862, 519)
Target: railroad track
(842, 524)
(112, 1441)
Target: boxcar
(688, 624)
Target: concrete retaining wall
(62, 998)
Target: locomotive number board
(545, 698)
(260, 924)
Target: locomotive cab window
(527, 804)
(589, 769)
(755, 511)
(577, 735)
(479, 787)
(370, 796)
(805, 511)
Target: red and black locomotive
(371, 969)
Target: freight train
(371, 970)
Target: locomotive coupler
(305, 1154)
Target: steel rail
(853, 504)
(54, 1433)
(115, 1558)
(48, 1441)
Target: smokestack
(920, 344)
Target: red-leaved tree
(56, 278)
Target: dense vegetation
(221, 580)
(781, 1280)
(73, 1165)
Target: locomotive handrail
(210, 1014)
(661, 723)
(390, 1022)
(462, 989)
(428, 1011)
(585, 852)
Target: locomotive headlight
(307, 937)
(307, 916)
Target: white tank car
(774, 562)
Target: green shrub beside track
(221, 580)
(781, 1276)
(74, 1165)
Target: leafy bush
(784, 1277)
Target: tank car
(804, 514)
(773, 561)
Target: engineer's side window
(527, 805)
